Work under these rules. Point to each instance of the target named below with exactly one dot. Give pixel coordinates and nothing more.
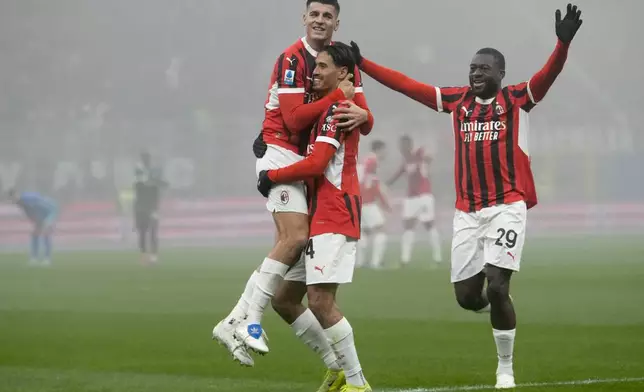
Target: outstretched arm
(426, 94)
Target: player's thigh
(291, 225)
(504, 235)
(467, 248)
(372, 217)
(427, 210)
(330, 259)
(283, 197)
(142, 221)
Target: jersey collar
(309, 49)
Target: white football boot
(224, 334)
(253, 337)
(505, 381)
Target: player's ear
(337, 25)
(502, 74)
(304, 19)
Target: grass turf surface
(99, 321)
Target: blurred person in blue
(42, 211)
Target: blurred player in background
(42, 211)
(493, 178)
(419, 203)
(334, 207)
(125, 208)
(147, 189)
(374, 201)
(290, 112)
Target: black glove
(264, 184)
(259, 146)
(355, 49)
(567, 27)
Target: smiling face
(321, 21)
(327, 74)
(485, 75)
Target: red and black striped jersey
(334, 198)
(289, 109)
(491, 160)
(330, 170)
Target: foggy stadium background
(86, 85)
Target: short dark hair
(498, 56)
(342, 55)
(334, 3)
(377, 145)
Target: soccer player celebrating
(289, 110)
(334, 207)
(494, 183)
(419, 204)
(374, 200)
(42, 212)
(148, 186)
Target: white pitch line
(526, 385)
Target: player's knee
(498, 290)
(320, 303)
(467, 295)
(498, 284)
(428, 225)
(468, 300)
(297, 240)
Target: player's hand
(264, 184)
(356, 53)
(259, 146)
(567, 27)
(350, 116)
(347, 88)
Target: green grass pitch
(99, 321)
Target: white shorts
(420, 208)
(494, 235)
(283, 197)
(372, 216)
(328, 258)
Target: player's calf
(338, 332)
(503, 322)
(287, 301)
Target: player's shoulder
(293, 52)
(455, 90)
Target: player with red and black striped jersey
(290, 111)
(494, 183)
(419, 204)
(374, 201)
(330, 169)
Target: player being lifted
(289, 110)
(334, 207)
(494, 183)
(374, 200)
(419, 204)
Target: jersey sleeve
(528, 94)
(361, 101)
(328, 140)
(439, 99)
(290, 78)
